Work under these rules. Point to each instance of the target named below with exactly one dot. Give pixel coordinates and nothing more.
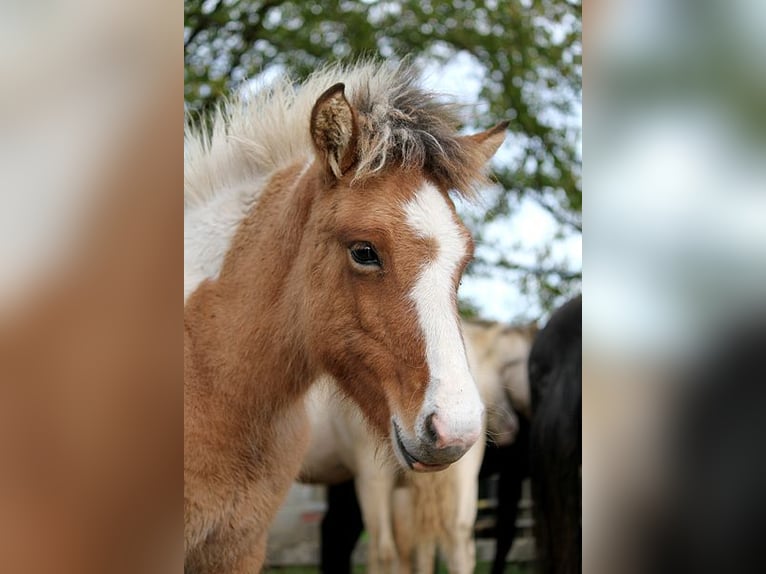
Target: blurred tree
(529, 56)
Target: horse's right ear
(488, 142)
(334, 130)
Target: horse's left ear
(334, 130)
(489, 141)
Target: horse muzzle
(433, 449)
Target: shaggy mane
(248, 137)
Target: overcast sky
(528, 227)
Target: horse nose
(443, 437)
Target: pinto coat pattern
(320, 239)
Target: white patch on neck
(209, 230)
(452, 391)
(208, 233)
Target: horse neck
(244, 327)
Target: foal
(320, 239)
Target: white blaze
(451, 393)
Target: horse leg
(341, 528)
(508, 496)
(461, 555)
(375, 487)
(425, 555)
(404, 532)
(461, 549)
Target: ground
(481, 568)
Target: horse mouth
(412, 462)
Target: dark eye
(364, 254)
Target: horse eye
(364, 254)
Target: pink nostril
(439, 433)
(431, 430)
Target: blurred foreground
(90, 252)
(673, 406)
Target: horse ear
(488, 141)
(334, 130)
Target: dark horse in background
(511, 465)
(555, 377)
(548, 448)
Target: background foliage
(526, 52)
